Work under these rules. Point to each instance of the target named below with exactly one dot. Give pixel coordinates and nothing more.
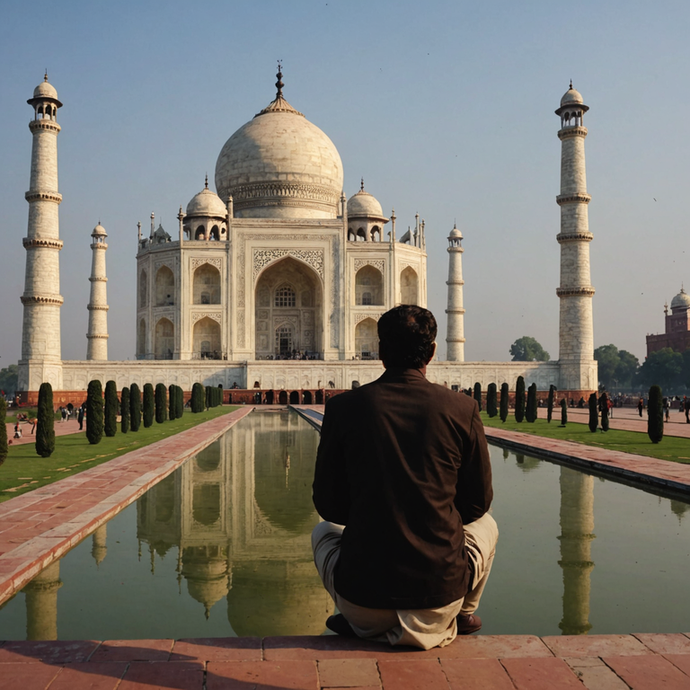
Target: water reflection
(577, 533)
(241, 515)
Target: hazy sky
(445, 109)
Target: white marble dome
(571, 97)
(45, 90)
(680, 301)
(206, 203)
(280, 165)
(99, 231)
(364, 204)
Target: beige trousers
(425, 628)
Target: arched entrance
(366, 339)
(206, 285)
(164, 339)
(408, 287)
(282, 398)
(206, 339)
(288, 312)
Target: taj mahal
(276, 280)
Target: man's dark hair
(406, 337)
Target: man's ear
(433, 352)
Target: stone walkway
(38, 527)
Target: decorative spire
(45, 76)
(361, 187)
(571, 84)
(279, 83)
(206, 182)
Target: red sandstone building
(677, 335)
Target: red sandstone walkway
(49, 520)
(39, 527)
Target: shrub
(655, 415)
(531, 411)
(161, 403)
(549, 405)
(505, 395)
(45, 424)
(171, 402)
(593, 414)
(134, 407)
(124, 410)
(111, 403)
(198, 398)
(520, 399)
(478, 394)
(604, 405)
(564, 412)
(147, 409)
(94, 412)
(179, 402)
(4, 448)
(491, 407)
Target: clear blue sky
(445, 109)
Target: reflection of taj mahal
(241, 515)
(278, 280)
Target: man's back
(402, 464)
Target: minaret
(578, 370)
(42, 604)
(98, 304)
(41, 356)
(455, 338)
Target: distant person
(80, 418)
(640, 406)
(403, 479)
(17, 430)
(667, 410)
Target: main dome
(280, 165)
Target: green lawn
(670, 448)
(24, 471)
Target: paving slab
(91, 676)
(476, 674)
(348, 673)
(133, 650)
(160, 675)
(541, 674)
(218, 649)
(573, 646)
(412, 674)
(261, 675)
(648, 673)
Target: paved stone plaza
(38, 527)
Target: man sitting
(403, 478)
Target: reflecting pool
(222, 547)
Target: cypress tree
(505, 395)
(94, 412)
(124, 410)
(161, 403)
(198, 397)
(171, 402)
(179, 402)
(564, 412)
(147, 409)
(491, 408)
(604, 404)
(110, 422)
(655, 415)
(478, 394)
(531, 412)
(4, 448)
(593, 415)
(45, 424)
(549, 407)
(134, 407)
(208, 391)
(520, 399)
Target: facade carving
(376, 263)
(216, 263)
(264, 257)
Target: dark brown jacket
(402, 463)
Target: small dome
(455, 234)
(364, 204)
(680, 301)
(45, 90)
(571, 97)
(99, 230)
(206, 203)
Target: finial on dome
(571, 84)
(361, 186)
(206, 182)
(45, 76)
(279, 83)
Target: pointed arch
(143, 288)
(366, 339)
(165, 287)
(141, 338)
(369, 286)
(206, 339)
(206, 285)
(164, 339)
(409, 286)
